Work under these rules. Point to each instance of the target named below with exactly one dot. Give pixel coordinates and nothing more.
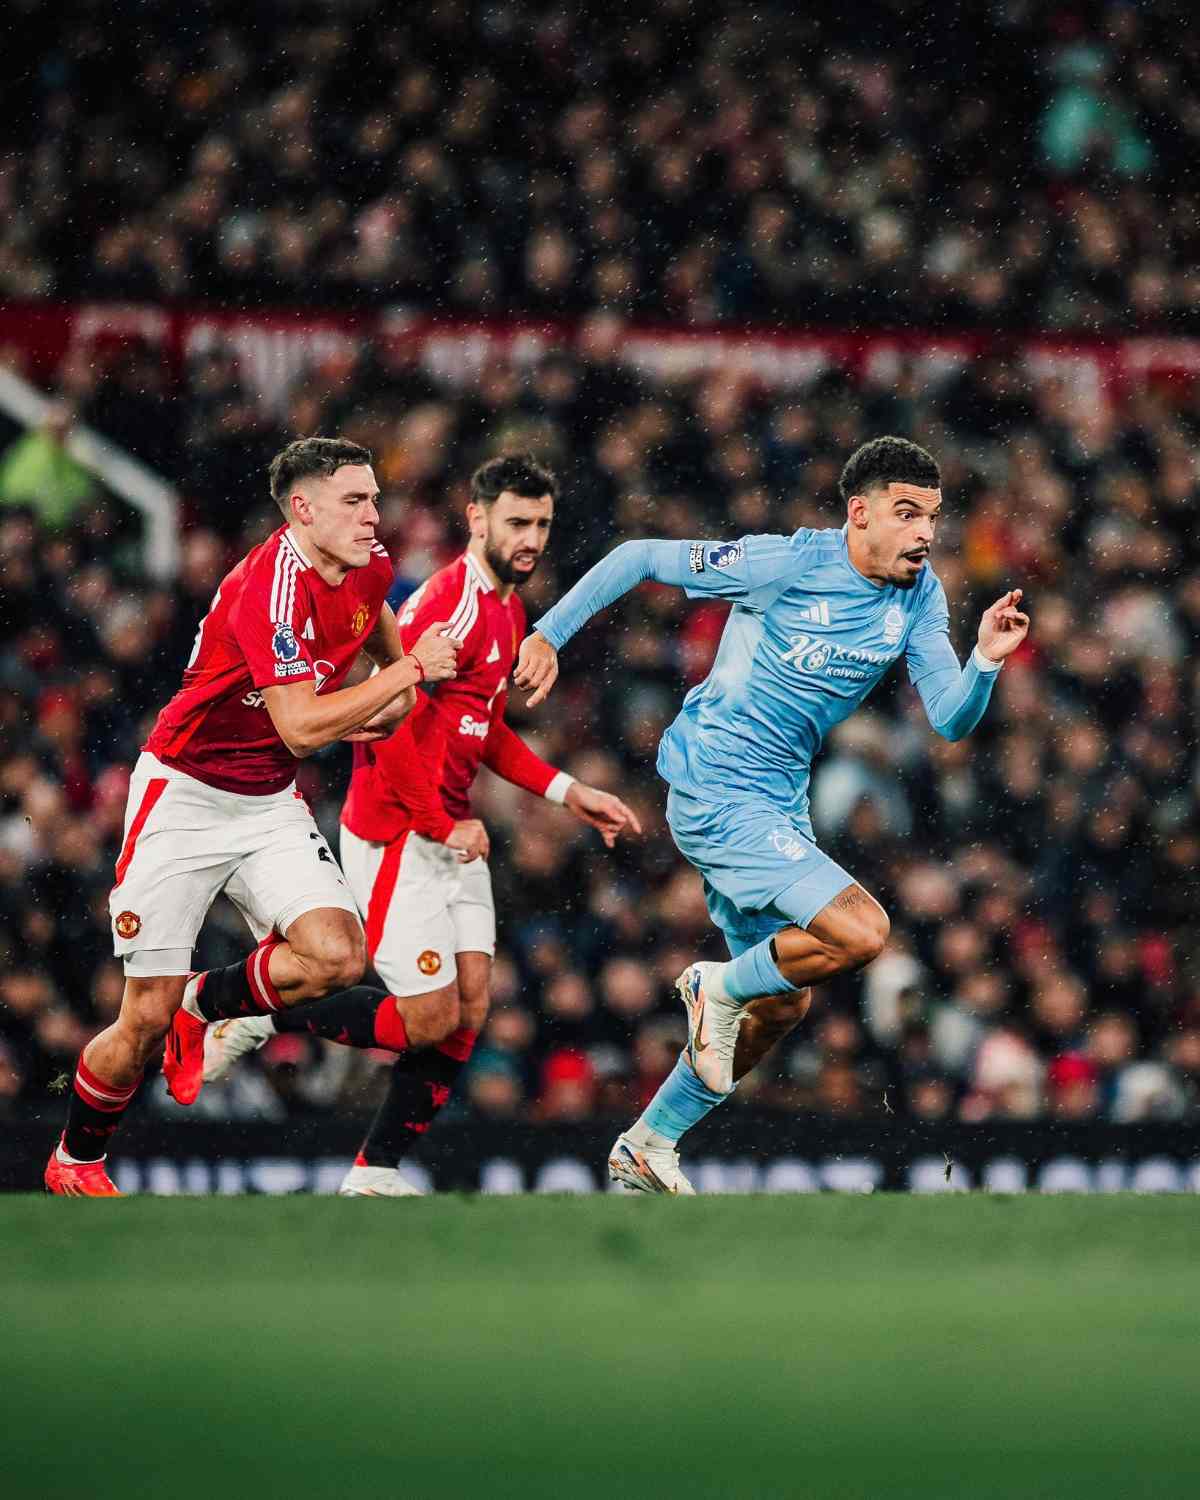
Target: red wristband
(416, 661)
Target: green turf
(967, 1347)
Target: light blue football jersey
(806, 641)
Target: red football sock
(419, 1088)
(94, 1113)
(360, 1017)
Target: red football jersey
(274, 620)
(421, 776)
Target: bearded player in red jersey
(213, 804)
(414, 857)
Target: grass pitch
(967, 1347)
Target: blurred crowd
(1040, 875)
(696, 160)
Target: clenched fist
(437, 652)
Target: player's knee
(339, 961)
(864, 941)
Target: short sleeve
(752, 571)
(263, 622)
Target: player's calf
(768, 1020)
(323, 951)
(107, 1078)
(423, 1080)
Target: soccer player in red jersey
(213, 804)
(414, 857)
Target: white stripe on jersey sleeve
(290, 602)
(464, 603)
(282, 562)
(462, 629)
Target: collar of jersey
(294, 549)
(481, 577)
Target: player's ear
(299, 507)
(858, 511)
(476, 517)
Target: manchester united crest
(359, 622)
(429, 962)
(128, 924)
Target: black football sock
(420, 1085)
(241, 989)
(94, 1113)
(360, 1017)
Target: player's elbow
(956, 727)
(301, 736)
(300, 746)
(949, 725)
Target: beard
(504, 569)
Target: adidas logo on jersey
(494, 653)
(308, 634)
(816, 614)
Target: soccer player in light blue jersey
(818, 618)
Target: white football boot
(647, 1169)
(377, 1182)
(713, 1026)
(226, 1041)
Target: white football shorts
(421, 905)
(186, 842)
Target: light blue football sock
(681, 1102)
(754, 973)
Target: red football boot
(79, 1179)
(183, 1059)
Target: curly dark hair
(888, 460)
(307, 456)
(519, 473)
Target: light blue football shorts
(762, 868)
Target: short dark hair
(888, 460)
(519, 473)
(308, 456)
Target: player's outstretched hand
(437, 651)
(470, 839)
(1003, 627)
(537, 667)
(602, 810)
